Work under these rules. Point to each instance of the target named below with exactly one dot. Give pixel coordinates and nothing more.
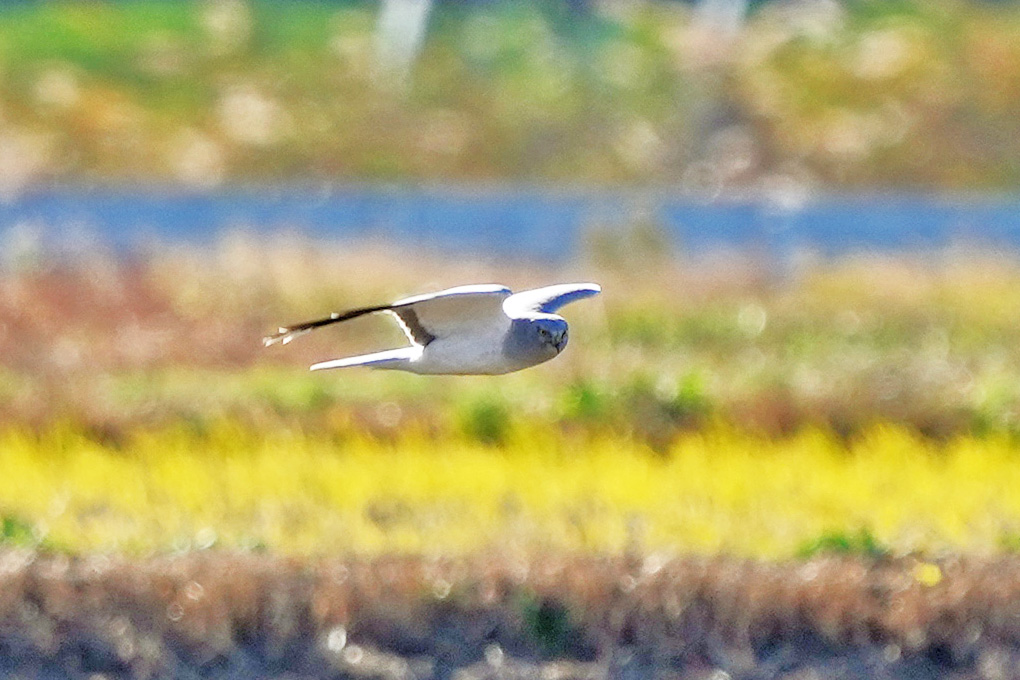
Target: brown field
(927, 341)
(228, 615)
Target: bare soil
(227, 615)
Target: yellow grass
(718, 491)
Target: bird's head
(534, 339)
(552, 332)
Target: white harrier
(466, 330)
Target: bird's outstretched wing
(391, 358)
(464, 309)
(547, 300)
(288, 333)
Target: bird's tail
(392, 359)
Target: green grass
(861, 542)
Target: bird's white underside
(469, 325)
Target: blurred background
(803, 212)
(516, 126)
(782, 443)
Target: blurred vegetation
(854, 94)
(866, 405)
(927, 342)
(539, 492)
(731, 404)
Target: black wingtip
(288, 333)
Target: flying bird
(467, 330)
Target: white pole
(400, 33)
(723, 18)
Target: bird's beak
(561, 342)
